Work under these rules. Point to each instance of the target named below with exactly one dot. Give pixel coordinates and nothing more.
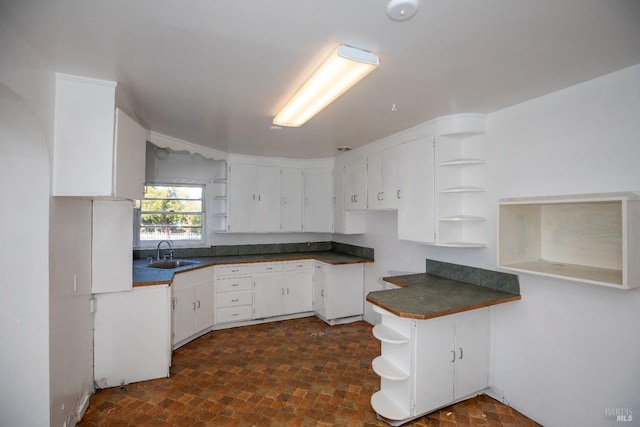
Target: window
(171, 212)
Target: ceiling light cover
(344, 68)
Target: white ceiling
(214, 72)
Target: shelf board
(221, 214)
(219, 197)
(462, 218)
(462, 244)
(388, 335)
(600, 276)
(387, 408)
(462, 190)
(385, 369)
(462, 162)
(220, 181)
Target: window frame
(138, 242)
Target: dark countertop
(424, 296)
(144, 275)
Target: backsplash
(260, 249)
(488, 278)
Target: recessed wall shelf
(462, 162)
(593, 238)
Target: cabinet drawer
(236, 269)
(226, 284)
(232, 299)
(304, 265)
(234, 314)
(268, 267)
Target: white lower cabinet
(428, 364)
(338, 292)
(132, 336)
(282, 288)
(192, 304)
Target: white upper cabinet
(291, 203)
(254, 198)
(416, 191)
(318, 206)
(382, 179)
(98, 150)
(344, 221)
(355, 185)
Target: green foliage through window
(171, 213)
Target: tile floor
(292, 373)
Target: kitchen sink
(170, 263)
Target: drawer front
(232, 299)
(234, 314)
(268, 267)
(227, 284)
(236, 269)
(304, 265)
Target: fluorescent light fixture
(344, 68)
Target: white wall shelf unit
(460, 207)
(593, 238)
(220, 204)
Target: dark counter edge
(327, 256)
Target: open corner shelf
(591, 238)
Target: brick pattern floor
(292, 373)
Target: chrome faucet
(170, 248)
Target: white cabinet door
(111, 246)
(344, 222)
(268, 295)
(291, 206)
(319, 280)
(382, 179)
(267, 217)
(298, 284)
(434, 365)
(132, 336)
(192, 303)
(355, 185)
(183, 304)
(242, 197)
(472, 330)
(416, 186)
(130, 149)
(344, 291)
(204, 306)
(318, 206)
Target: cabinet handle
(254, 197)
(453, 354)
(269, 268)
(282, 291)
(398, 195)
(194, 306)
(322, 292)
(355, 198)
(174, 303)
(235, 300)
(258, 197)
(460, 353)
(198, 304)
(287, 291)
(235, 284)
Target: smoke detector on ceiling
(402, 10)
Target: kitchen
(578, 137)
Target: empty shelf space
(462, 162)
(387, 408)
(559, 269)
(388, 335)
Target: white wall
(46, 364)
(566, 352)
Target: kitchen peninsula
(434, 335)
